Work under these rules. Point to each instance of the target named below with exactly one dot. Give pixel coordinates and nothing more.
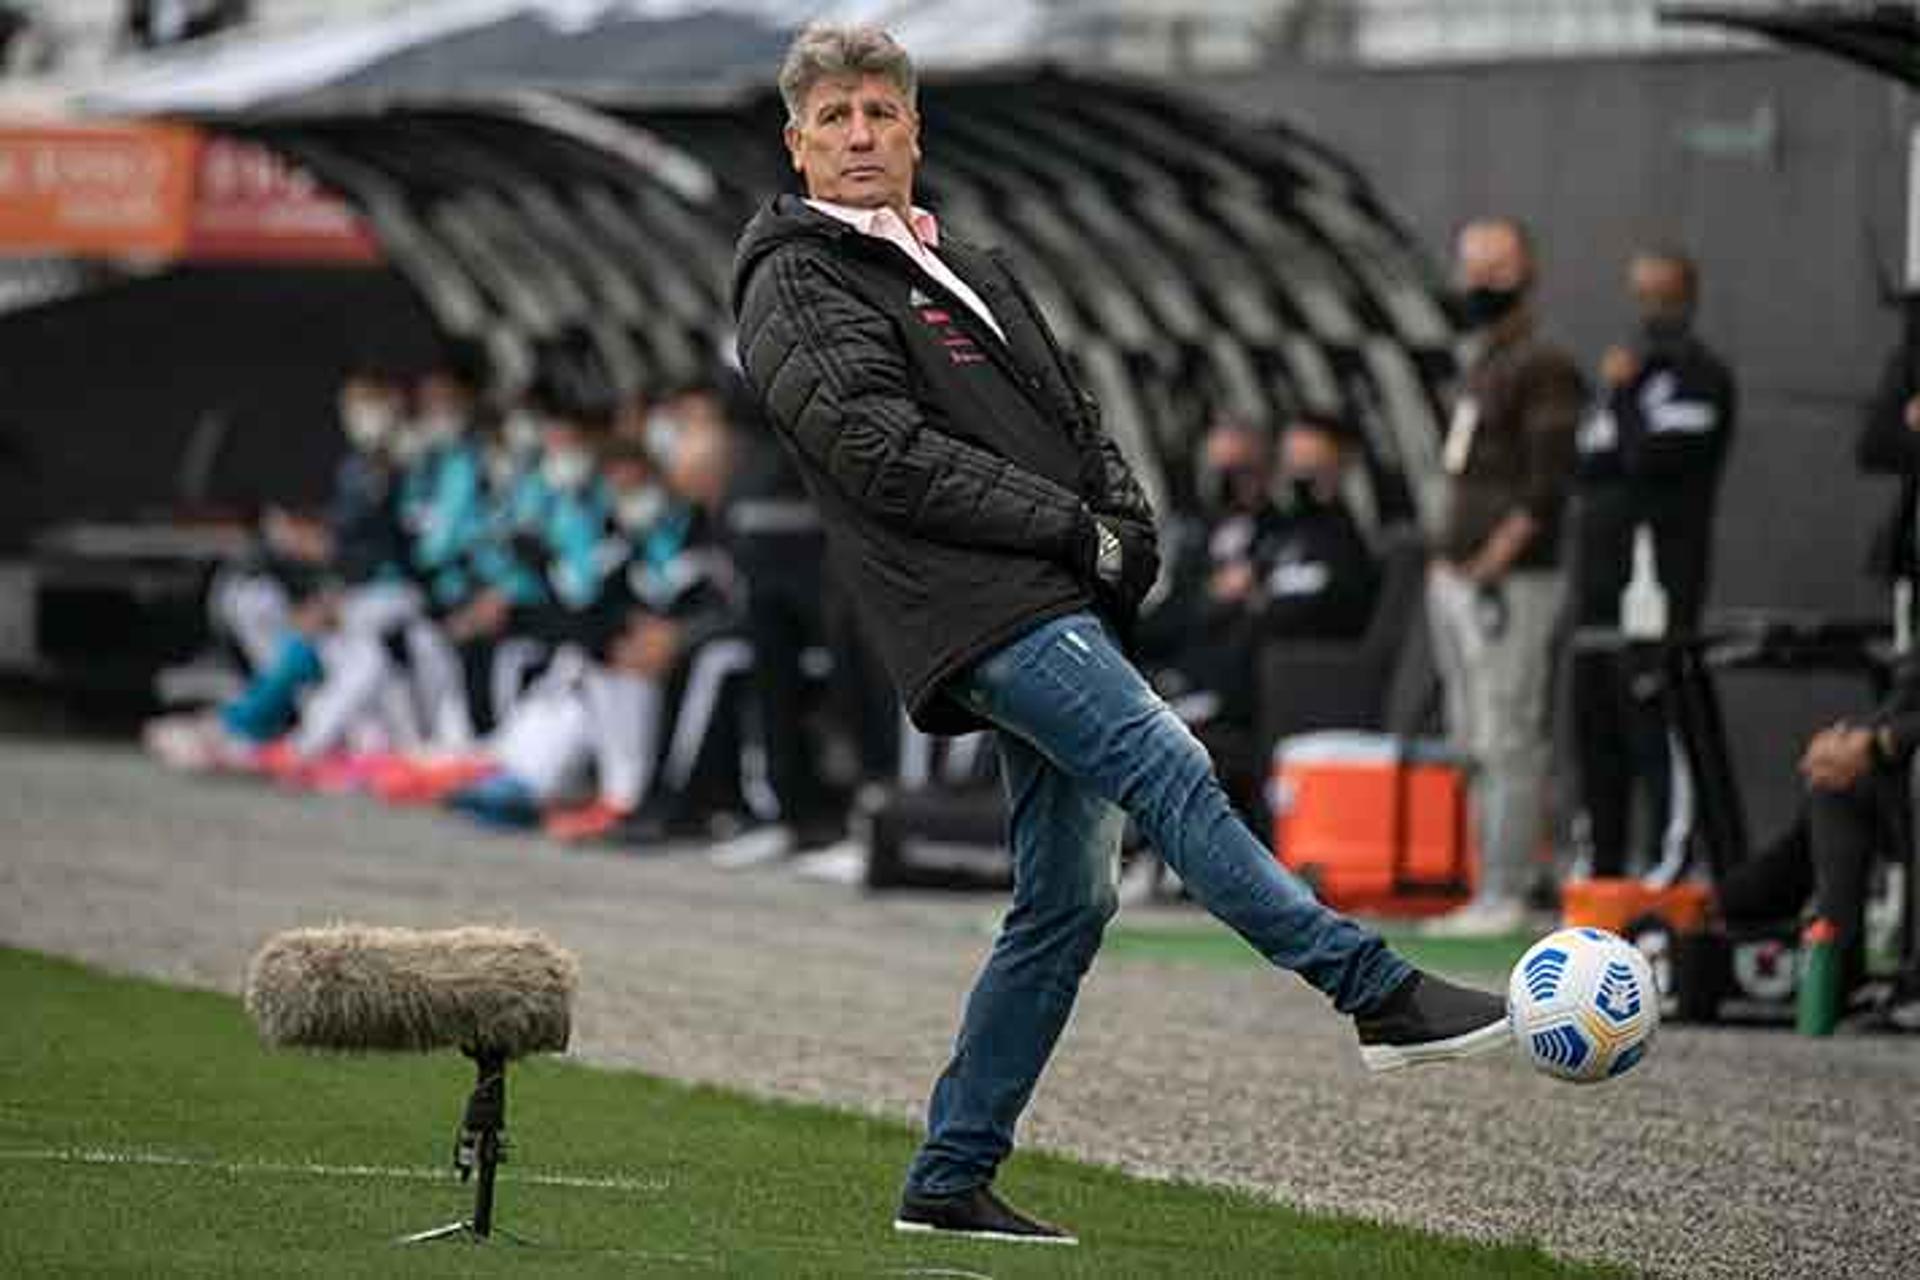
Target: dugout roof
(1193, 263)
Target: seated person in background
(354, 539)
(547, 740)
(1856, 809)
(606, 703)
(667, 597)
(517, 493)
(316, 576)
(684, 629)
(538, 547)
(1259, 569)
(1196, 638)
(1318, 577)
(1252, 570)
(531, 544)
(443, 508)
(468, 516)
(1859, 801)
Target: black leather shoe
(978, 1214)
(1428, 1019)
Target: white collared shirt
(917, 242)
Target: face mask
(367, 423)
(1664, 328)
(1480, 308)
(1231, 488)
(637, 509)
(503, 468)
(408, 445)
(1304, 492)
(439, 426)
(567, 470)
(663, 433)
(523, 432)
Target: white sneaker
(1495, 919)
(755, 848)
(843, 863)
(194, 743)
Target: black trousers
(793, 606)
(784, 618)
(1622, 745)
(1826, 855)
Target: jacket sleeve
(832, 374)
(454, 518)
(1106, 478)
(1118, 492)
(1554, 398)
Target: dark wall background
(1784, 174)
(100, 396)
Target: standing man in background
(1651, 452)
(998, 548)
(1496, 590)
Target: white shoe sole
(1392, 1057)
(920, 1228)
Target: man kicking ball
(997, 546)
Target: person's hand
(1119, 559)
(648, 647)
(1502, 547)
(1139, 564)
(1837, 758)
(1483, 569)
(1912, 414)
(1232, 583)
(317, 615)
(484, 615)
(1619, 366)
(1488, 565)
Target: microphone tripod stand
(480, 1148)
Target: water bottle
(1817, 1009)
(1643, 605)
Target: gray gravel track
(1730, 1153)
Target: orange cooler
(1617, 904)
(1376, 823)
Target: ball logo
(1625, 1059)
(1544, 971)
(1562, 1047)
(1619, 994)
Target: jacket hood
(782, 220)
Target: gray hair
(829, 51)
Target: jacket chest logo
(960, 347)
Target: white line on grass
(244, 1168)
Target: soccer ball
(1583, 1005)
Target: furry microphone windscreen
(355, 987)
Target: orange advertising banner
(100, 190)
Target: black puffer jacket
(958, 476)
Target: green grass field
(143, 1131)
(1207, 943)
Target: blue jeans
(1084, 741)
